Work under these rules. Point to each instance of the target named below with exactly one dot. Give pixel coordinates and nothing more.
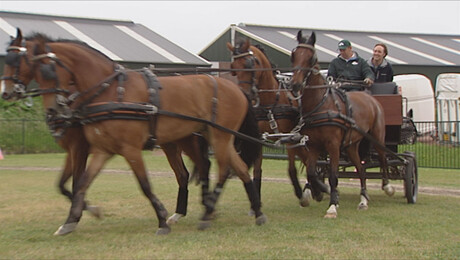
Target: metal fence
(437, 144)
(23, 136)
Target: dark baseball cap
(343, 44)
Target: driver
(349, 66)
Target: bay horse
(189, 104)
(69, 134)
(335, 121)
(275, 111)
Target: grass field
(31, 210)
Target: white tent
(448, 106)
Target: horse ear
(40, 46)
(246, 45)
(312, 39)
(299, 36)
(18, 38)
(230, 47)
(18, 33)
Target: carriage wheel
(411, 178)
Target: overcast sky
(194, 24)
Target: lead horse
(69, 134)
(276, 112)
(189, 104)
(335, 121)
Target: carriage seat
(384, 88)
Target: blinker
(47, 71)
(12, 59)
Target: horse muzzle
(296, 89)
(18, 91)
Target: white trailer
(418, 99)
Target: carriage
(399, 130)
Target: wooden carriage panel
(392, 105)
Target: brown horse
(188, 104)
(335, 121)
(70, 136)
(275, 111)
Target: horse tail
(249, 150)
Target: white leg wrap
(306, 198)
(331, 212)
(389, 190)
(66, 229)
(174, 219)
(363, 204)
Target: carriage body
(402, 166)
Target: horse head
(245, 60)
(18, 69)
(303, 59)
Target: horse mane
(261, 49)
(40, 37)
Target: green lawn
(31, 210)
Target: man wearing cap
(349, 66)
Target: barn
(130, 44)
(426, 54)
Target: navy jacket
(383, 73)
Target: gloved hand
(368, 81)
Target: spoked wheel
(411, 178)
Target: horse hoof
(95, 211)
(66, 229)
(163, 231)
(362, 206)
(389, 190)
(260, 220)
(306, 198)
(204, 224)
(174, 219)
(331, 211)
(251, 213)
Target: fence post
(23, 136)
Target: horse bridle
(13, 59)
(313, 60)
(249, 63)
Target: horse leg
(199, 155)
(80, 187)
(241, 170)
(65, 176)
(226, 156)
(386, 186)
(174, 157)
(305, 195)
(79, 156)
(134, 159)
(334, 156)
(257, 178)
(354, 157)
(314, 184)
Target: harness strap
(137, 111)
(214, 100)
(153, 87)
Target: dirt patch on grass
(399, 187)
